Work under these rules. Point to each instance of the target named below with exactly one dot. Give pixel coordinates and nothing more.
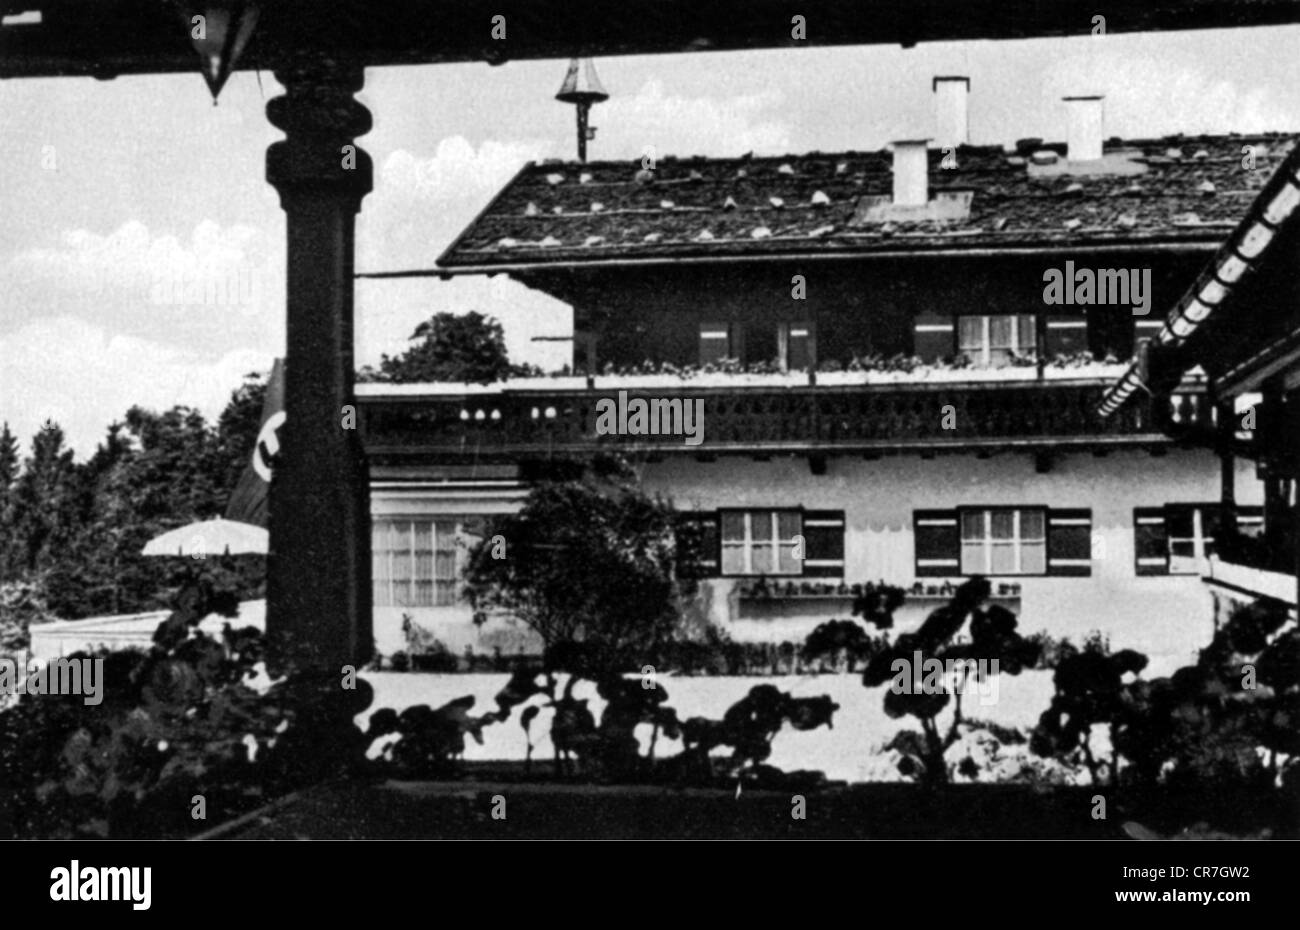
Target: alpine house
(901, 355)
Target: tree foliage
(838, 640)
(194, 717)
(467, 347)
(590, 564)
(1232, 718)
(991, 638)
(76, 529)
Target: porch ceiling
(105, 38)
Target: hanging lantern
(219, 31)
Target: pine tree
(42, 503)
(10, 456)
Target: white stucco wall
(1168, 618)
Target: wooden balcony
(755, 419)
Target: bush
(435, 658)
(181, 720)
(991, 647)
(842, 642)
(1051, 652)
(1230, 721)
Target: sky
(142, 251)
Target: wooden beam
(106, 38)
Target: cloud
(456, 169)
(84, 377)
(421, 203)
(222, 284)
(131, 258)
(1149, 95)
(676, 125)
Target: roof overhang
(1181, 246)
(1273, 218)
(107, 38)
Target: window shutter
(715, 342)
(706, 523)
(738, 343)
(801, 347)
(937, 542)
(933, 337)
(1066, 335)
(1069, 542)
(1150, 541)
(823, 533)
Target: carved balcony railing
(756, 419)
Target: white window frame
(981, 355)
(389, 599)
(748, 543)
(1016, 542)
(1195, 563)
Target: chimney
(911, 173)
(950, 110)
(1085, 128)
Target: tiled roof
(1173, 189)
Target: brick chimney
(951, 94)
(911, 173)
(1085, 128)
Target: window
(1190, 531)
(716, 343)
(414, 561)
(755, 546)
(1177, 538)
(1004, 541)
(760, 542)
(794, 346)
(991, 341)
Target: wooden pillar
(1227, 426)
(318, 585)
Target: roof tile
(1140, 191)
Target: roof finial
(582, 88)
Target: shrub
(591, 564)
(182, 720)
(992, 638)
(841, 642)
(1229, 721)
